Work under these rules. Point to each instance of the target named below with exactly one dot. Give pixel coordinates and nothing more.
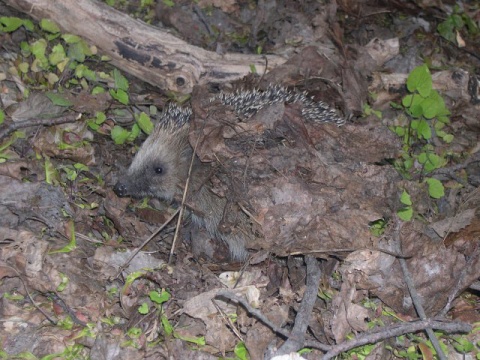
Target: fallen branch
(149, 53)
(416, 300)
(370, 337)
(17, 125)
(38, 307)
(392, 331)
(460, 281)
(296, 339)
(258, 314)
(137, 250)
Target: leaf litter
(310, 190)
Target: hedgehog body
(160, 167)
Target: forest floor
(363, 238)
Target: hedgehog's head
(160, 167)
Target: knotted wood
(147, 52)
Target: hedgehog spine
(247, 103)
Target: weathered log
(144, 51)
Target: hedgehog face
(160, 167)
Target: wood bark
(144, 51)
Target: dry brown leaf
(453, 224)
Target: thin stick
(52, 321)
(258, 314)
(393, 331)
(296, 340)
(371, 337)
(417, 301)
(14, 126)
(144, 243)
(184, 197)
(228, 321)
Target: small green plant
(64, 282)
(58, 63)
(66, 323)
(5, 152)
(10, 24)
(134, 334)
(143, 123)
(325, 294)
(368, 110)
(13, 297)
(72, 245)
(43, 60)
(462, 344)
(377, 227)
(411, 353)
(120, 90)
(158, 298)
(416, 347)
(406, 212)
(241, 351)
(425, 117)
(359, 353)
(146, 3)
(456, 23)
(72, 172)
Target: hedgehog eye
(158, 170)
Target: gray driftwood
(144, 51)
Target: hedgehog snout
(121, 189)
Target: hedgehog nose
(120, 189)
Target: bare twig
(417, 301)
(296, 339)
(52, 321)
(198, 10)
(258, 314)
(88, 238)
(144, 243)
(57, 299)
(332, 251)
(14, 126)
(392, 331)
(184, 199)
(371, 337)
(181, 210)
(460, 278)
(228, 321)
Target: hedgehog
(160, 167)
